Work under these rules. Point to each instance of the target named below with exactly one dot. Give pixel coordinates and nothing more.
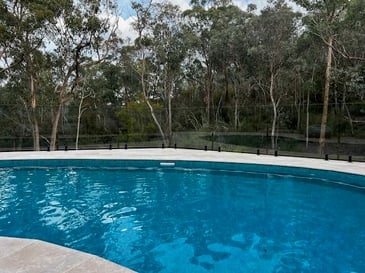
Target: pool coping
(32, 256)
(35, 256)
(169, 155)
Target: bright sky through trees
(126, 11)
(127, 14)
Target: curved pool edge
(169, 155)
(35, 256)
(47, 257)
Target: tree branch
(342, 52)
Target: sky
(126, 11)
(127, 15)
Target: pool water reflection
(178, 219)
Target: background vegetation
(213, 76)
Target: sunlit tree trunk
(169, 87)
(81, 110)
(145, 95)
(275, 111)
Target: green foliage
(136, 122)
(211, 63)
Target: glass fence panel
(249, 129)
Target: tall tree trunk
(145, 95)
(225, 107)
(275, 111)
(141, 25)
(36, 138)
(155, 119)
(322, 138)
(35, 126)
(307, 124)
(170, 121)
(55, 126)
(346, 109)
(298, 104)
(209, 91)
(307, 114)
(169, 87)
(235, 107)
(79, 121)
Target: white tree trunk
(275, 111)
(144, 90)
(169, 87)
(79, 121)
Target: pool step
(167, 164)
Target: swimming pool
(182, 216)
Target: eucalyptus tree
(143, 14)
(7, 38)
(349, 69)
(324, 19)
(199, 19)
(274, 47)
(101, 94)
(166, 47)
(211, 24)
(350, 41)
(84, 36)
(23, 34)
(222, 63)
(168, 50)
(309, 67)
(49, 43)
(229, 45)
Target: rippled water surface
(177, 220)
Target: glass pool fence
(289, 144)
(247, 129)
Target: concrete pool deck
(24, 255)
(33, 256)
(192, 155)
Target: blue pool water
(189, 217)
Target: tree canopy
(64, 69)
